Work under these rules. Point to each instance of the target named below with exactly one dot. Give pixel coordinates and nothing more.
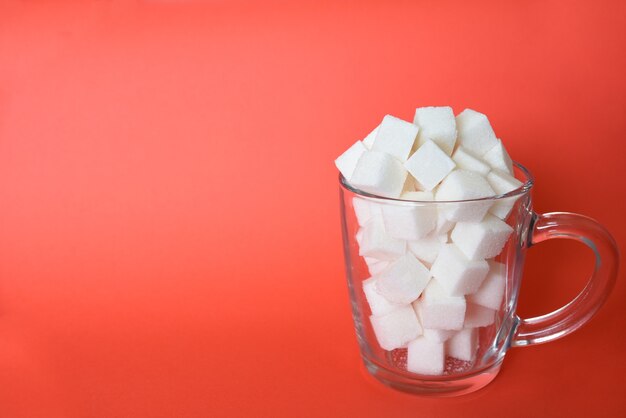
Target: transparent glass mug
(507, 330)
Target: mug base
(438, 386)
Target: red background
(169, 221)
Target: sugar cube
(438, 124)
(429, 165)
(365, 209)
(409, 221)
(425, 357)
(466, 161)
(491, 292)
(396, 328)
(498, 158)
(374, 242)
(346, 162)
(444, 225)
(378, 304)
(379, 174)
(375, 265)
(395, 137)
(464, 185)
(463, 344)
(403, 280)
(457, 274)
(475, 132)
(481, 240)
(437, 310)
(478, 316)
(426, 249)
(503, 183)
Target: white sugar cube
(457, 274)
(395, 137)
(438, 335)
(466, 161)
(378, 304)
(346, 162)
(379, 174)
(429, 165)
(368, 141)
(464, 185)
(375, 265)
(374, 242)
(444, 225)
(365, 210)
(437, 124)
(481, 240)
(498, 158)
(503, 183)
(409, 221)
(478, 316)
(475, 132)
(463, 344)
(425, 357)
(427, 248)
(403, 280)
(396, 328)
(437, 310)
(491, 292)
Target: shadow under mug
(507, 329)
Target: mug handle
(576, 313)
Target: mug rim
(524, 188)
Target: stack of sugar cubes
(434, 281)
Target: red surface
(169, 227)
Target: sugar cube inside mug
(395, 137)
(456, 273)
(403, 280)
(346, 162)
(379, 174)
(426, 249)
(425, 357)
(438, 124)
(438, 310)
(502, 183)
(396, 328)
(475, 132)
(409, 222)
(481, 240)
(491, 292)
(365, 210)
(377, 303)
(478, 316)
(463, 344)
(375, 265)
(498, 158)
(374, 242)
(464, 185)
(429, 165)
(466, 161)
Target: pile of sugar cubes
(434, 281)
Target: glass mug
(491, 341)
